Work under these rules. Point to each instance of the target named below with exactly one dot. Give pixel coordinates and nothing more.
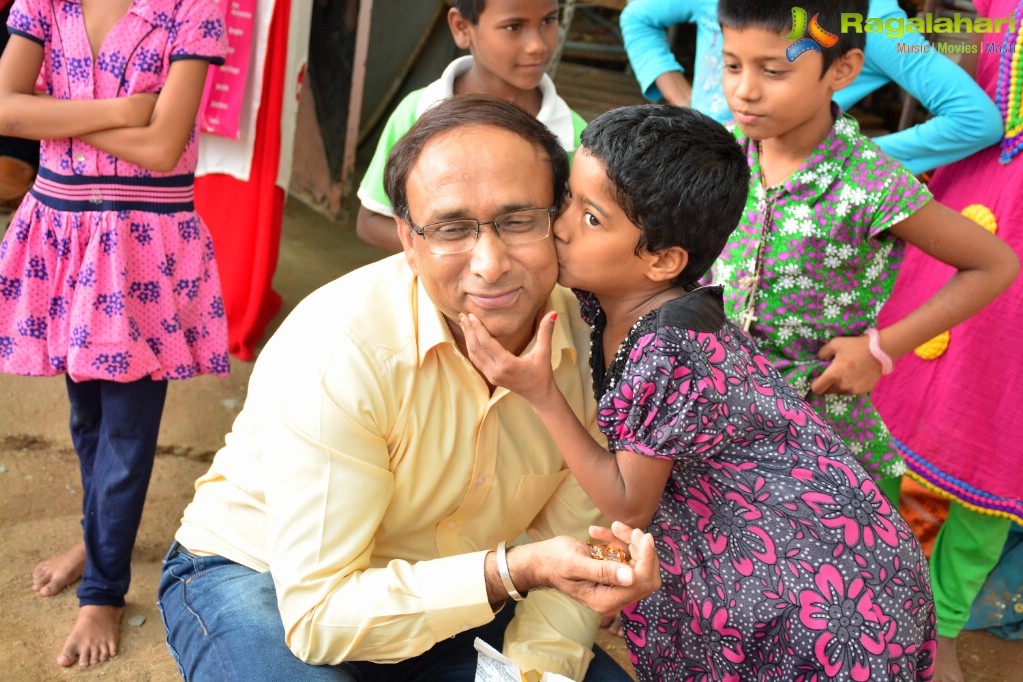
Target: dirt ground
(40, 496)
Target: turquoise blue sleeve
(371, 190)
(965, 119)
(644, 24)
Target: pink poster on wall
(221, 108)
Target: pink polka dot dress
(106, 270)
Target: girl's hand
(530, 375)
(852, 371)
(138, 109)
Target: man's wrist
(520, 570)
(505, 572)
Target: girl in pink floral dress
(106, 272)
(780, 557)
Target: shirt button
(452, 524)
(481, 480)
(79, 157)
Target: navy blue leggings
(114, 428)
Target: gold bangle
(502, 569)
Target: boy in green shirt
(512, 43)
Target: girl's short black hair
(774, 15)
(470, 9)
(462, 112)
(679, 175)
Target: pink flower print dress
(780, 557)
(106, 271)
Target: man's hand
(530, 375)
(852, 371)
(565, 564)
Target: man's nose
(490, 255)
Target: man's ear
(844, 70)
(405, 235)
(459, 26)
(665, 265)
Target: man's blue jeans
(223, 625)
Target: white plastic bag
(493, 666)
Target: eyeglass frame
(552, 211)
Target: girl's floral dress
(106, 271)
(780, 557)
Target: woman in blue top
(964, 121)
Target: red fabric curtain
(244, 218)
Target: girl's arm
(965, 119)
(986, 267)
(25, 115)
(625, 486)
(158, 145)
(644, 25)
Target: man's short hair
(678, 175)
(775, 16)
(462, 112)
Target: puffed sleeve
(199, 33)
(671, 398)
(28, 21)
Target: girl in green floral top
(816, 252)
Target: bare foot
(53, 575)
(946, 662)
(613, 625)
(93, 638)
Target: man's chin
(512, 330)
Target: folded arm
(27, 115)
(158, 145)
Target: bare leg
(946, 662)
(53, 575)
(93, 638)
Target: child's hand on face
(853, 370)
(530, 375)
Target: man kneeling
(358, 513)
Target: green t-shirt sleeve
(578, 125)
(371, 189)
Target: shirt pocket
(532, 495)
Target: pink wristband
(874, 344)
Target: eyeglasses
(458, 236)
